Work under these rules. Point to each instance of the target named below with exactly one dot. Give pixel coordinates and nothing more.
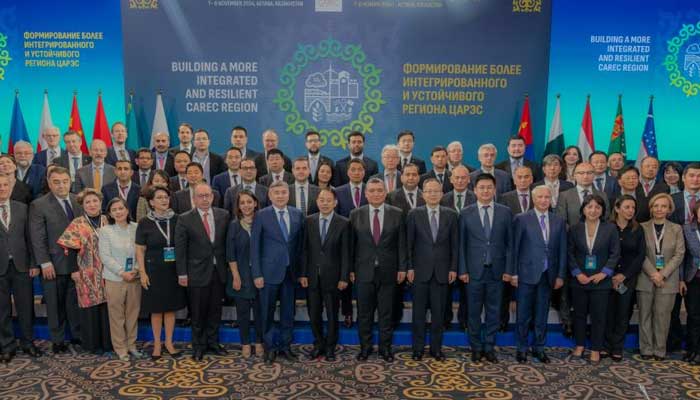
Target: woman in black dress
(240, 281)
(162, 295)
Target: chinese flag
(74, 124)
(101, 130)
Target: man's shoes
(521, 357)
(646, 357)
(659, 358)
(315, 353)
(476, 356)
(330, 355)
(31, 351)
(6, 357)
(568, 331)
(288, 355)
(216, 349)
(491, 357)
(348, 321)
(58, 348)
(688, 356)
(198, 355)
(439, 356)
(387, 356)
(363, 355)
(270, 356)
(542, 357)
(417, 356)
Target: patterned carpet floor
(85, 376)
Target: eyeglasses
(585, 173)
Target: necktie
(439, 176)
(207, 228)
(248, 188)
(691, 204)
(410, 199)
(314, 165)
(76, 164)
(183, 183)
(524, 202)
(4, 216)
(124, 191)
(235, 180)
(599, 183)
(357, 196)
(433, 225)
(283, 226)
(97, 179)
(302, 200)
(160, 161)
(52, 155)
(69, 210)
(543, 226)
(586, 192)
(277, 178)
(324, 230)
(647, 187)
(376, 227)
(122, 155)
(405, 161)
(487, 233)
(459, 202)
(144, 178)
(391, 182)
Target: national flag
(75, 125)
(133, 139)
(101, 129)
(648, 145)
(617, 138)
(18, 130)
(585, 137)
(555, 142)
(45, 123)
(525, 130)
(160, 123)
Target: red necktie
(205, 221)
(646, 189)
(376, 227)
(124, 191)
(357, 197)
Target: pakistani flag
(555, 143)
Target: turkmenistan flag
(617, 138)
(555, 143)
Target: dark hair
(57, 170)
(186, 125)
(68, 133)
(300, 159)
(588, 199)
(437, 149)
(182, 152)
(679, 170)
(618, 203)
(484, 177)
(234, 148)
(195, 164)
(272, 152)
(428, 180)
(142, 151)
(405, 133)
(249, 159)
(109, 206)
(240, 128)
(311, 133)
(515, 137)
(410, 165)
(376, 180)
(127, 162)
(236, 207)
(626, 169)
(9, 157)
(158, 172)
(356, 133)
(356, 161)
(80, 198)
(564, 168)
(597, 152)
(692, 165)
(329, 165)
(332, 191)
(115, 124)
(151, 193)
(202, 130)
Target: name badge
(169, 254)
(659, 261)
(591, 263)
(129, 265)
(696, 262)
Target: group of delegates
(122, 232)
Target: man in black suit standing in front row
(325, 269)
(379, 245)
(200, 249)
(432, 236)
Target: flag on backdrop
(74, 124)
(585, 137)
(617, 138)
(45, 123)
(648, 145)
(160, 123)
(525, 130)
(133, 138)
(18, 130)
(555, 142)
(101, 129)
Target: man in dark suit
(16, 273)
(183, 201)
(487, 156)
(651, 185)
(239, 140)
(484, 254)
(122, 187)
(32, 175)
(49, 216)
(551, 167)
(248, 182)
(276, 171)
(432, 237)
(685, 200)
(179, 181)
(406, 141)
(185, 134)
(118, 151)
(200, 249)
(438, 157)
(53, 149)
(211, 163)
(391, 175)
(356, 144)
(408, 196)
(520, 199)
(270, 141)
(516, 158)
(379, 248)
(302, 194)
(325, 270)
(72, 159)
(276, 252)
(162, 158)
(539, 265)
(20, 191)
(144, 167)
(232, 176)
(602, 180)
(313, 146)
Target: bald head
(161, 141)
(98, 151)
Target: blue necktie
(283, 226)
(324, 230)
(69, 210)
(302, 200)
(487, 233)
(433, 225)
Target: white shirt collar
(277, 210)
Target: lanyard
(165, 235)
(590, 242)
(658, 238)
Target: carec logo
(683, 60)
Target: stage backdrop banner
(61, 47)
(445, 69)
(637, 49)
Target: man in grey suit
(96, 174)
(569, 208)
(49, 216)
(484, 254)
(487, 157)
(248, 173)
(16, 273)
(432, 236)
(302, 194)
